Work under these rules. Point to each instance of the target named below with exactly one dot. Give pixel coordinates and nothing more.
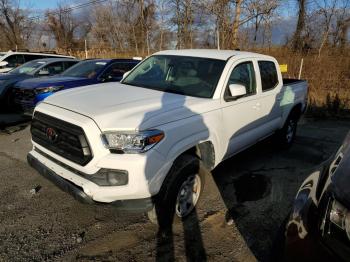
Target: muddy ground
(238, 218)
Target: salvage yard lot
(238, 218)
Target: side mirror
(3, 63)
(237, 90)
(125, 74)
(43, 73)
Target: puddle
(251, 187)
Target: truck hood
(52, 81)
(115, 106)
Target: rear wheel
(286, 135)
(180, 191)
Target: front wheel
(180, 191)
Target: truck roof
(209, 53)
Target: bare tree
(15, 25)
(327, 10)
(298, 39)
(184, 22)
(260, 12)
(236, 23)
(63, 25)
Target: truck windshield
(190, 76)
(28, 68)
(88, 69)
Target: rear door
(270, 84)
(242, 116)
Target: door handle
(256, 106)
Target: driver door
(241, 115)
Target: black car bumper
(134, 205)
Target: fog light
(340, 216)
(117, 178)
(110, 177)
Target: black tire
(286, 135)
(166, 210)
(6, 102)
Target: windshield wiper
(174, 91)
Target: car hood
(115, 106)
(12, 76)
(341, 177)
(49, 81)
(8, 80)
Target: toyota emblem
(51, 134)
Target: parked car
(88, 72)
(319, 225)
(11, 59)
(146, 143)
(33, 69)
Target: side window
(243, 74)
(52, 69)
(269, 76)
(14, 60)
(28, 58)
(116, 71)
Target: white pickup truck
(146, 143)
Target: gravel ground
(244, 204)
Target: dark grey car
(36, 68)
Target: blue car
(29, 92)
(33, 69)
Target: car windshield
(28, 68)
(88, 69)
(190, 76)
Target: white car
(10, 60)
(146, 143)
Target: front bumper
(134, 205)
(27, 102)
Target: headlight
(125, 142)
(42, 90)
(340, 216)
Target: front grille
(23, 94)
(62, 138)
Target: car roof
(111, 60)
(56, 59)
(210, 53)
(35, 53)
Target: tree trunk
(298, 39)
(236, 24)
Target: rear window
(269, 76)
